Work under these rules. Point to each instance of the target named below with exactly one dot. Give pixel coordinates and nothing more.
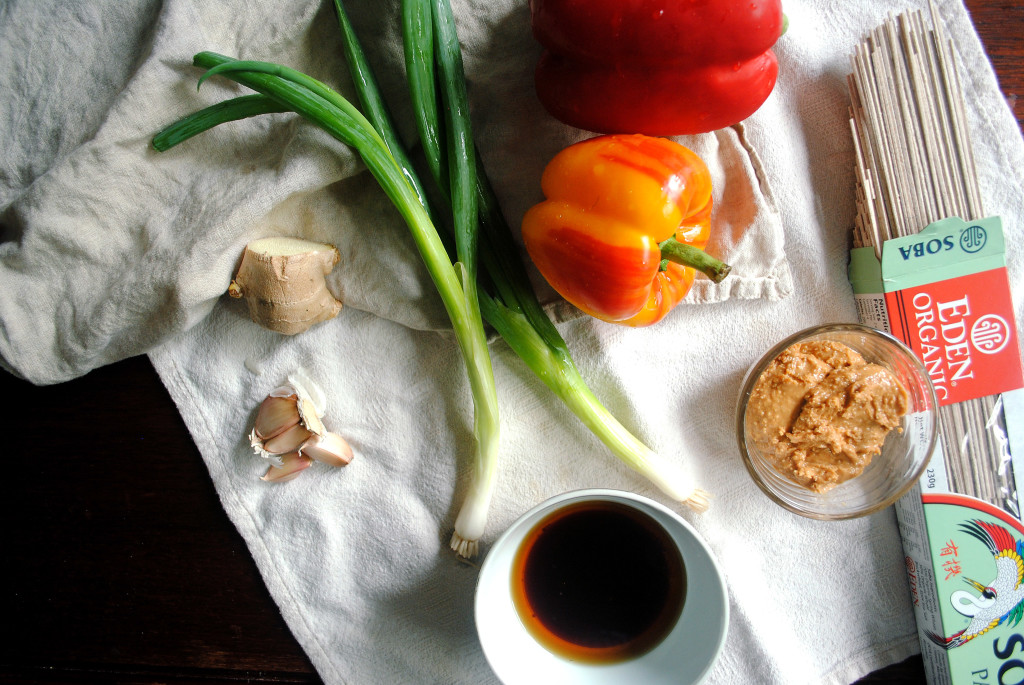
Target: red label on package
(964, 332)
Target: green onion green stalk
(487, 279)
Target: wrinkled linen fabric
(109, 249)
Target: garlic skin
(289, 433)
(306, 388)
(292, 464)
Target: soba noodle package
(928, 266)
(944, 292)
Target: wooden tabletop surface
(121, 565)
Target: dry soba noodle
(915, 166)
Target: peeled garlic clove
(329, 448)
(308, 416)
(288, 441)
(292, 464)
(277, 413)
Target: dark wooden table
(120, 565)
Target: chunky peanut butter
(820, 412)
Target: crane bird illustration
(1002, 600)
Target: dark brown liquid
(598, 582)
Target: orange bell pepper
(623, 227)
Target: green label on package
(945, 250)
(966, 587)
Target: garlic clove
(292, 464)
(329, 448)
(288, 441)
(288, 424)
(277, 413)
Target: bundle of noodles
(915, 166)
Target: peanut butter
(819, 412)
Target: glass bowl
(891, 473)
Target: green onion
(229, 110)
(508, 301)
(421, 75)
(458, 188)
(472, 518)
(451, 140)
(376, 109)
(312, 99)
(504, 296)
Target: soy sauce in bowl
(598, 582)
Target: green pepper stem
(688, 255)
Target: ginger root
(283, 282)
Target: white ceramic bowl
(684, 657)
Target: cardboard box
(944, 292)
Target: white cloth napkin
(111, 249)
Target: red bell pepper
(660, 67)
(623, 227)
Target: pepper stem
(674, 251)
